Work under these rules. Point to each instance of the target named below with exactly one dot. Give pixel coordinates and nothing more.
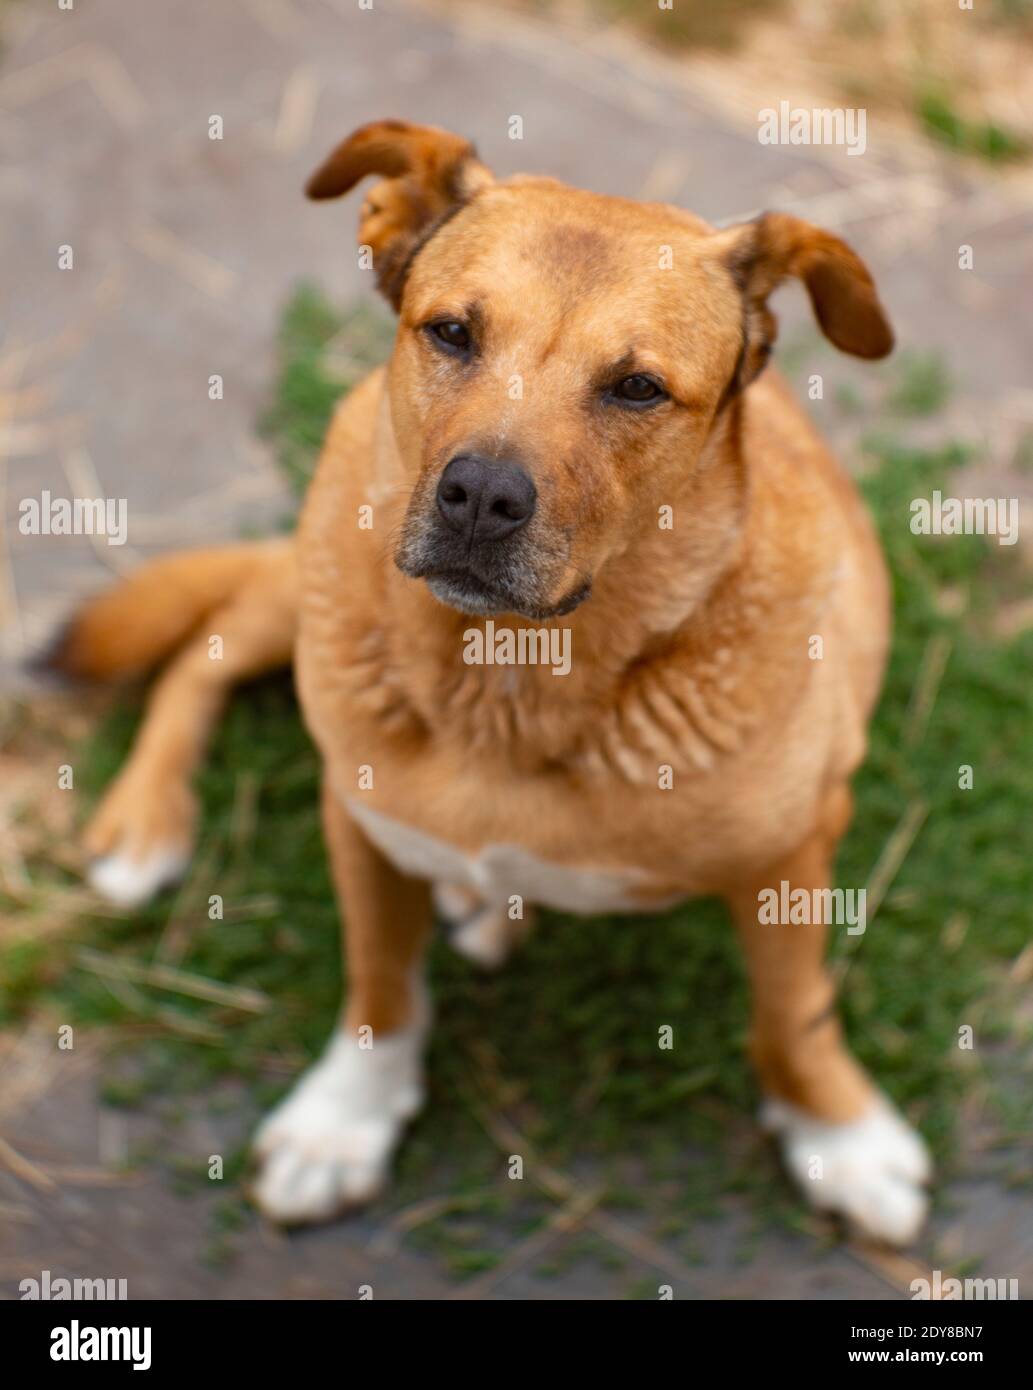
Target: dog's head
(562, 357)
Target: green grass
(720, 27)
(923, 384)
(564, 1041)
(986, 139)
(320, 362)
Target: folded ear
(763, 253)
(428, 175)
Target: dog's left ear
(763, 253)
(428, 174)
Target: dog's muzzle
(474, 543)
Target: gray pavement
(185, 249)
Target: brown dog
(624, 653)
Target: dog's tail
(127, 630)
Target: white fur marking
(129, 882)
(498, 871)
(329, 1143)
(456, 904)
(872, 1169)
(482, 932)
(486, 938)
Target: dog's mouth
(468, 593)
(489, 579)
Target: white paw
(870, 1170)
(328, 1145)
(482, 932)
(129, 882)
(486, 938)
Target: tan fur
(692, 649)
(125, 631)
(245, 595)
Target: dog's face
(562, 357)
(550, 385)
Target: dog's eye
(638, 390)
(452, 333)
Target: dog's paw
(487, 938)
(140, 838)
(328, 1146)
(871, 1171)
(482, 932)
(129, 882)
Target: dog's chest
(498, 871)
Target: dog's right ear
(428, 174)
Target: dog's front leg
(329, 1144)
(843, 1142)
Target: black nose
(485, 499)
